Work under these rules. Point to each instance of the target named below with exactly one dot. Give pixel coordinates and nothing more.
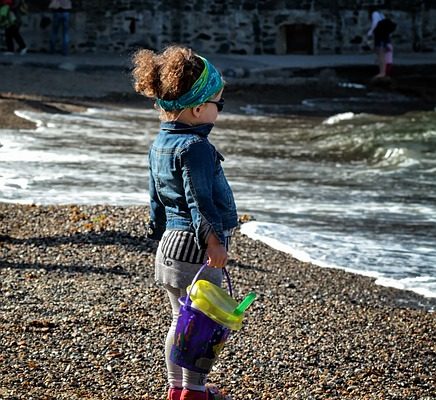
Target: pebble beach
(82, 318)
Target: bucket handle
(203, 267)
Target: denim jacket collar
(180, 127)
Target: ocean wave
(423, 285)
(10, 181)
(44, 157)
(289, 170)
(121, 112)
(74, 121)
(270, 233)
(431, 134)
(351, 85)
(30, 116)
(394, 157)
(334, 119)
(380, 143)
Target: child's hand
(216, 252)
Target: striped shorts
(181, 246)
(178, 259)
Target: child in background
(192, 210)
(381, 29)
(389, 59)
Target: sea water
(351, 191)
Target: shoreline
(53, 104)
(83, 318)
(376, 277)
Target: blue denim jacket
(188, 189)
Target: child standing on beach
(192, 210)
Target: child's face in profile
(209, 111)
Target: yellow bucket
(215, 303)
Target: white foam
(43, 157)
(351, 85)
(83, 196)
(32, 117)
(395, 157)
(74, 122)
(423, 285)
(122, 112)
(413, 284)
(10, 181)
(334, 119)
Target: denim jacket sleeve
(158, 218)
(198, 162)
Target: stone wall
(234, 26)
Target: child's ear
(196, 111)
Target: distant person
(381, 29)
(11, 24)
(61, 18)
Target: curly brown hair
(167, 75)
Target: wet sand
(57, 90)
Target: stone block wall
(234, 26)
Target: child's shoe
(174, 394)
(211, 393)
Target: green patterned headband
(209, 83)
